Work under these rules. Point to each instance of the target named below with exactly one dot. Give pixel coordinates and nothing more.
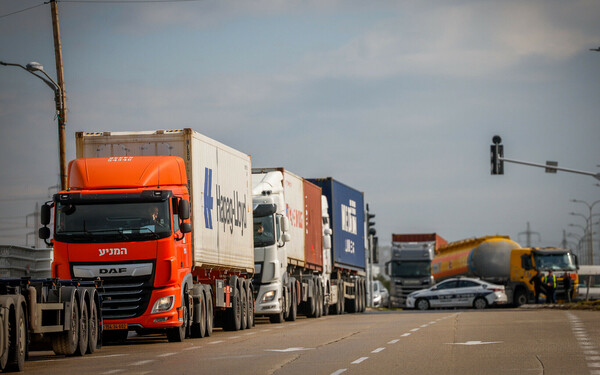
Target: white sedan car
(458, 292)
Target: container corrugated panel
(219, 179)
(313, 219)
(347, 215)
(420, 237)
(293, 192)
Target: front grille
(125, 298)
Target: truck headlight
(268, 296)
(163, 304)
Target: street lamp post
(590, 230)
(32, 68)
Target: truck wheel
(4, 335)
(520, 298)
(83, 330)
(177, 334)
(198, 329)
(293, 305)
(422, 304)
(18, 340)
(209, 311)
(480, 303)
(235, 313)
(65, 343)
(279, 318)
(244, 308)
(93, 327)
(250, 297)
(340, 299)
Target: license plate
(113, 326)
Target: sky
(398, 99)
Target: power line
(22, 10)
(127, 1)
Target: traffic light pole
(595, 175)
(498, 160)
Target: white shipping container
(219, 181)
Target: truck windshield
(113, 222)
(264, 233)
(411, 269)
(558, 262)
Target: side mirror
(184, 209)
(185, 227)
(327, 242)
(286, 237)
(45, 215)
(328, 232)
(285, 224)
(44, 233)
(387, 268)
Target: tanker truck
(163, 218)
(289, 241)
(499, 260)
(346, 290)
(410, 266)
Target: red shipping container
(313, 234)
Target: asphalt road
(494, 341)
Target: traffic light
(497, 155)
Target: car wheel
(422, 304)
(480, 303)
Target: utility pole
(61, 103)
(528, 234)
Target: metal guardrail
(21, 261)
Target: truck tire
(234, 315)
(198, 328)
(18, 339)
(244, 307)
(66, 342)
(293, 302)
(210, 318)
(84, 326)
(338, 305)
(93, 326)
(250, 297)
(4, 335)
(178, 334)
(520, 297)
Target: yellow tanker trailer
(502, 261)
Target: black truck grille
(125, 298)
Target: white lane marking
(405, 334)
(414, 329)
(593, 358)
(432, 322)
(234, 337)
(591, 352)
(266, 330)
(140, 363)
(71, 358)
(474, 343)
(393, 341)
(249, 333)
(338, 372)
(166, 355)
(193, 347)
(112, 372)
(215, 342)
(593, 364)
(288, 350)
(361, 359)
(378, 350)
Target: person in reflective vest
(550, 281)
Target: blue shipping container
(347, 216)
